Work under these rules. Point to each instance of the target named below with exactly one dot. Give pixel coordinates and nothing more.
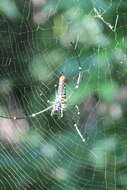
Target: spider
(58, 106)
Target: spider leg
(79, 69)
(76, 124)
(40, 112)
(56, 92)
(27, 116)
(49, 102)
(61, 114)
(53, 110)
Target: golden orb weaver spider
(58, 106)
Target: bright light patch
(60, 174)
(49, 150)
(115, 111)
(102, 150)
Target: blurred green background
(46, 153)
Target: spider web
(46, 152)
